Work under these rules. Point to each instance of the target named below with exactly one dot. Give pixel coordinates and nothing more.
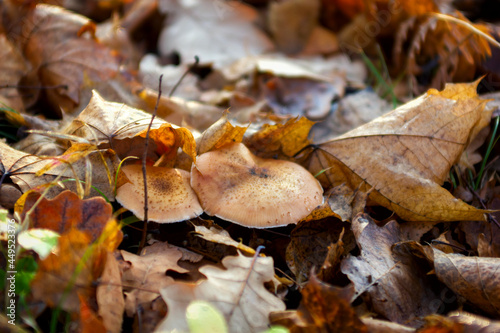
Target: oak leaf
(67, 211)
(69, 272)
(237, 291)
(405, 155)
(144, 275)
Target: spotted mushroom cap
(237, 186)
(170, 197)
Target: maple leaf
(237, 291)
(405, 155)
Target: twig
(144, 175)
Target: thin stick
(144, 176)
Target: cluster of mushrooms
(230, 183)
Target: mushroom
(237, 186)
(170, 197)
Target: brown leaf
(109, 296)
(473, 323)
(385, 276)
(75, 265)
(406, 154)
(292, 22)
(237, 291)
(12, 68)
(474, 278)
(221, 133)
(323, 308)
(145, 275)
(61, 57)
(89, 321)
(115, 125)
(310, 242)
(224, 31)
(218, 235)
(286, 139)
(67, 211)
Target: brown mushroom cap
(170, 197)
(237, 186)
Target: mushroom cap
(170, 197)
(237, 186)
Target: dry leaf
(67, 211)
(144, 276)
(406, 154)
(310, 242)
(384, 277)
(61, 57)
(115, 125)
(238, 292)
(75, 265)
(220, 133)
(282, 139)
(89, 321)
(476, 279)
(217, 32)
(323, 308)
(292, 22)
(12, 68)
(109, 296)
(218, 235)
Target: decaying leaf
(238, 292)
(310, 242)
(286, 139)
(89, 321)
(145, 275)
(218, 235)
(406, 154)
(61, 57)
(109, 295)
(384, 277)
(113, 125)
(323, 308)
(474, 278)
(67, 211)
(70, 272)
(12, 68)
(221, 133)
(198, 28)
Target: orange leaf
(89, 321)
(67, 211)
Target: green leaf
(42, 241)
(203, 317)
